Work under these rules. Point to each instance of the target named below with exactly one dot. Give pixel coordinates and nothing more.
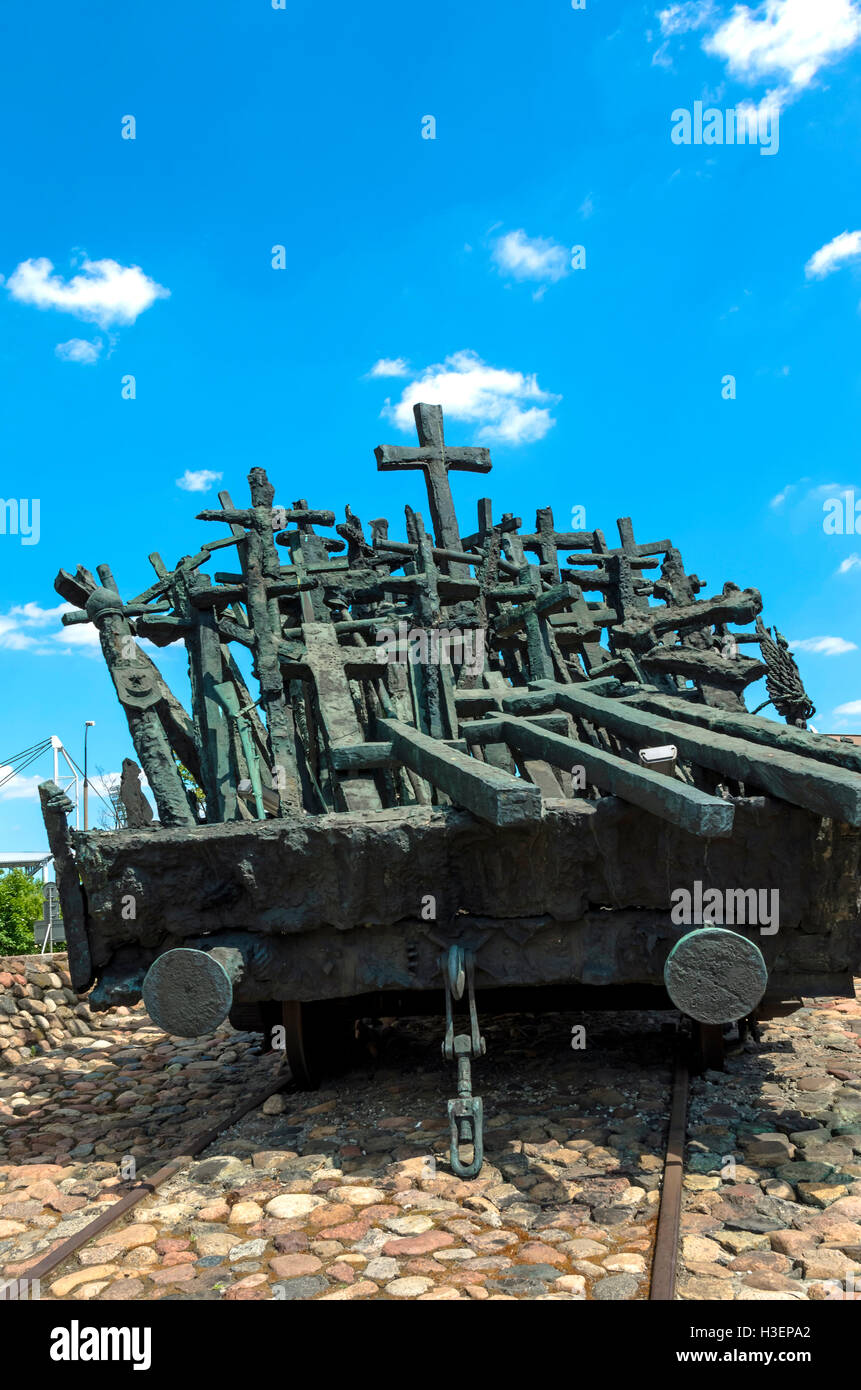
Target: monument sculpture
(473, 763)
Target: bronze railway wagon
(457, 772)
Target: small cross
(547, 542)
(435, 458)
(532, 618)
(628, 594)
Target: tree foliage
(20, 909)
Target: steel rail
(145, 1189)
(666, 1252)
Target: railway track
(665, 1255)
(661, 1277)
(141, 1190)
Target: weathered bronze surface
(397, 747)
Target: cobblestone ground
(346, 1193)
(782, 1219)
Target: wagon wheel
(708, 1045)
(319, 1039)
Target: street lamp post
(90, 723)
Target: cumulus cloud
(27, 627)
(19, 626)
(80, 636)
(819, 493)
(824, 646)
(390, 366)
(19, 788)
(103, 292)
(509, 407)
(198, 480)
(834, 255)
(78, 350)
(530, 258)
(852, 707)
(780, 497)
(106, 783)
(791, 40)
(787, 42)
(680, 19)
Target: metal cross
(435, 458)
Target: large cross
(330, 667)
(435, 458)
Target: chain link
(465, 1112)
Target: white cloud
(780, 497)
(853, 707)
(390, 366)
(825, 646)
(81, 635)
(103, 292)
(26, 787)
(510, 407)
(817, 494)
(833, 255)
(530, 258)
(104, 783)
(790, 40)
(37, 616)
(852, 562)
(16, 625)
(784, 41)
(692, 14)
(78, 350)
(587, 207)
(22, 628)
(198, 480)
(20, 788)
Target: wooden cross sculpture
(436, 459)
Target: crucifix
(330, 667)
(531, 617)
(261, 572)
(633, 594)
(547, 542)
(139, 686)
(436, 459)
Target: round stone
(187, 992)
(715, 976)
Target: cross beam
(486, 791)
(827, 791)
(436, 459)
(694, 810)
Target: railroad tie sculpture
(455, 768)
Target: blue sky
(444, 260)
